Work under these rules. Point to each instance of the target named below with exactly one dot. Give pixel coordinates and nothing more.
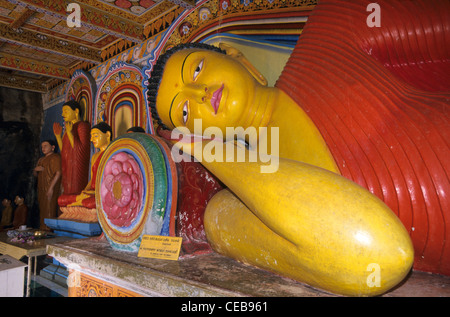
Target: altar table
(18, 250)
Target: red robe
(90, 201)
(379, 96)
(75, 161)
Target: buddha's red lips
(215, 99)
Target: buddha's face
(201, 84)
(69, 115)
(99, 139)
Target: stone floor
(420, 284)
(41, 287)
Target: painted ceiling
(39, 50)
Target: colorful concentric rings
(144, 149)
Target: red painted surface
(196, 187)
(380, 98)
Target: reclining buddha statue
(361, 115)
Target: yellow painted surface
(123, 119)
(309, 224)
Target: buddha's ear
(237, 54)
(108, 134)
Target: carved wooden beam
(49, 44)
(23, 83)
(19, 21)
(91, 17)
(33, 66)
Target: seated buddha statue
(80, 206)
(101, 135)
(362, 168)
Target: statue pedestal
(95, 269)
(56, 271)
(72, 228)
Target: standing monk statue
(7, 214)
(48, 172)
(75, 150)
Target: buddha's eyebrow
(182, 66)
(170, 109)
(182, 79)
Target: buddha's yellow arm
(306, 223)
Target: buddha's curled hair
(157, 72)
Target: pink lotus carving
(121, 189)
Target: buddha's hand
(68, 125)
(189, 144)
(57, 129)
(79, 200)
